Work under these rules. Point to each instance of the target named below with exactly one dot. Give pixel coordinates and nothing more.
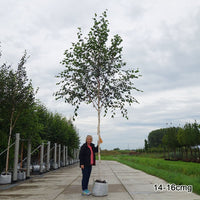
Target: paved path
(124, 183)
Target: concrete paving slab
(141, 185)
(65, 184)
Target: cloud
(161, 38)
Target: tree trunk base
(5, 178)
(21, 175)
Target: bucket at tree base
(21, 175)
(100, 188)
(5, 178)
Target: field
(178, 172)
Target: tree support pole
(66, 155)
(73, 161)
(78, 155)
(17, 138)
(48, 155)
(28, 159)
(59, 151)
(55, 156)
(41, 157)
(64, 162)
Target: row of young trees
(21, 112)
(177, 141)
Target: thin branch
(92, 101)
(16, 119)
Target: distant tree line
(21, 112)
(177, 143)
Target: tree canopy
(94, 71)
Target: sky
(160, 37)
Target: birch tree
(95, 73)
(17, 95)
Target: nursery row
(180, 143)
(45, 157)
(21, 112)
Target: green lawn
(178, 172)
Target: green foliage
(174, 137)
(21, 112)
(146, 146)
(116, 149)
(16, 91)
(180, 140)
(17, 96)
(62, 131)
(170, 138)
(155, 137)
(93, 72)
(189, 135)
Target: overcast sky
(160, 37)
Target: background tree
(30, 117)
(189, 136)
(155, 137)
(29, 126)
(94, 73)
(17, 95)
(146, 145)
(4, 127)
(170, 139)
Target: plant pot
(55, 166)
(25, 166)
(100, 188)
(21, 175)
(48, 166)
(5, 178)
(44, 167)
(61, 164)
(36, 168)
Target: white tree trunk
(9, 138)
(98, 133)
(99, 116)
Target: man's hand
(82, 166)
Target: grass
(178, 172)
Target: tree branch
(92, 101)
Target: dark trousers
(86, 176)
